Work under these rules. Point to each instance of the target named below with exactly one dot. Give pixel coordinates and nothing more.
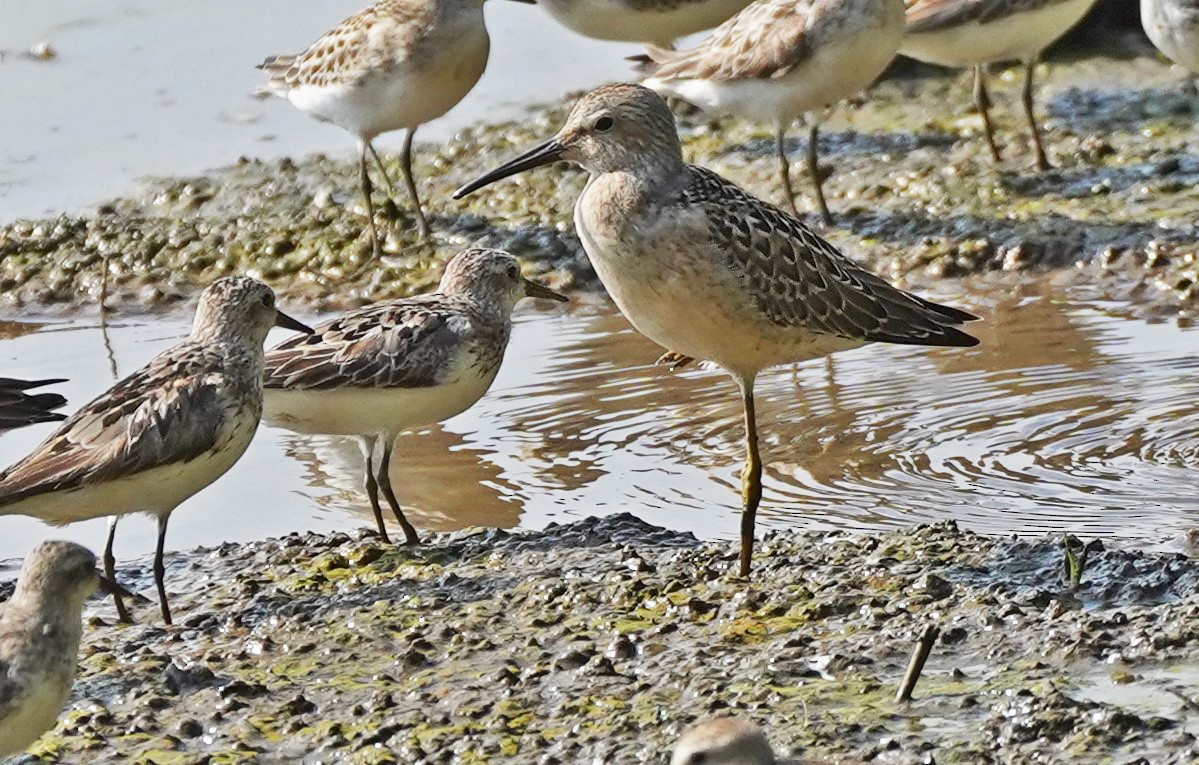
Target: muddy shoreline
(915, 194)
(599, 640)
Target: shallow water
(1069, 416)
(164, 87)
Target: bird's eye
(268, 300)
(513, 272)
(698, 758)
(604, 124)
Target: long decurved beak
(285, 321)
(535, 290)
(543, 154)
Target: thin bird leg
(391, 188)
(160, 569)
(422, 225)
(365, 179)
(410, 536)
(110, 572)
(982, 102)
(814, 171)
(1042, 159)
(785, 167)
(103, 283)
(751, 477)
(372, 486)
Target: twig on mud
(916, 664)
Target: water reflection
(1068, 416)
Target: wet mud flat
(599, 640)
(909, 179)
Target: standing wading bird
(1173, 26)
(658, 23)
(40, 628)
(974, 33)
(392, 66)
(782, 60)
(161, 434)
(18, 408)
(387, 368)
(709, 271)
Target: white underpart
(832, 73)
(407, 93)
(1174, 31)
(615, 20)
(157, 491)
(36, 713)
(1020, 37)
(378, 411)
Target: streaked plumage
(161, 434)
(660, 22)
(780, 60)
(392, 66)
(379, 371)
(19, 408)
(974, 33)
(40, 628)
(709, 271)
(1173, 26)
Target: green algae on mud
(598, 641)
(914, 194)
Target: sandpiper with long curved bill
(974, 33)
(709, 271)
(782, 60)
(392, 66)
(161, 434)
(40, 629)
(385, 369)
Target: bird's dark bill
(535, 290)
(285, 321)
(544, 154)
(109, 587)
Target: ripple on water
(1069, 416)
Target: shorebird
(732, 741)
(974, 33)
(392, 66)
(782, 60)
(387, 368)
(18, 408)
(161, 434)
(40, 628)
(1173, 26)
(656, 22)
(709, 271)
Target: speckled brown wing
(800, 280)
(935, 15)
(167, 412)
(343, 54)
(764, 41)
(404, 344)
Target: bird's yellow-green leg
(751, 478)
(982, 102)
(422, 224)
(1040, 158)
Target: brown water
(1070, 415)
